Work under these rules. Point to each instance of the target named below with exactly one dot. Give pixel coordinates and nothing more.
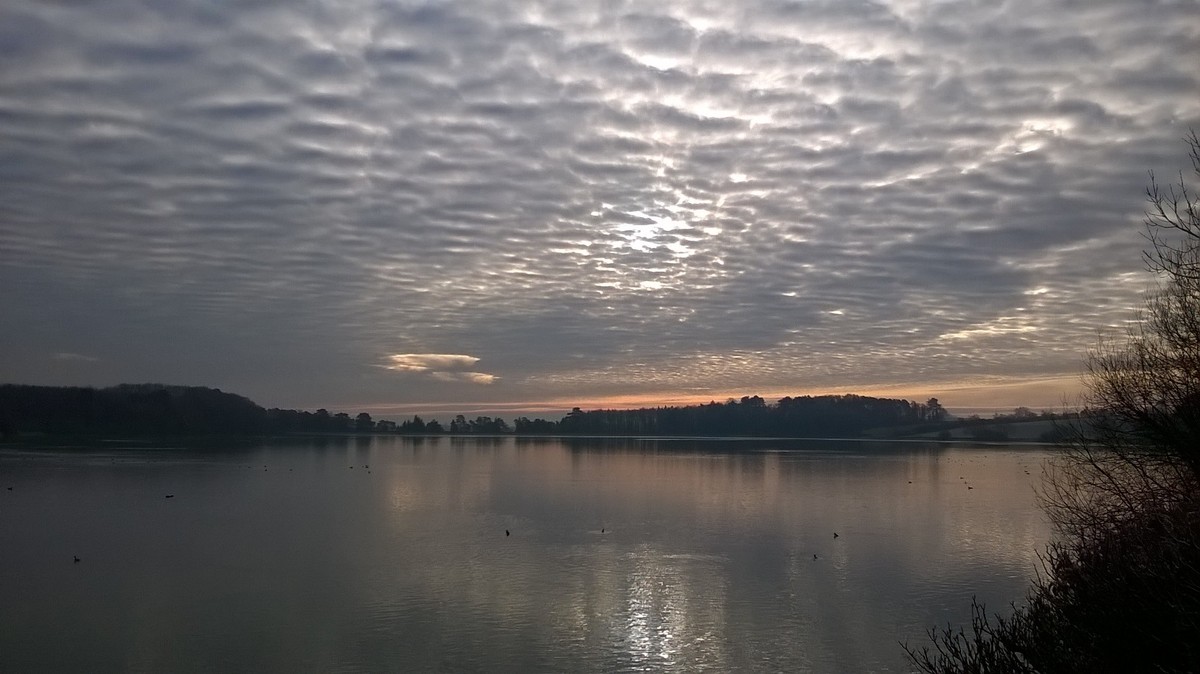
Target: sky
(521, 207)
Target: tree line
(830, 415)
(164, 410)
(127, 409)
(167, 410)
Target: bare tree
(1174, 214)
(1120, 590)
(1138, 448)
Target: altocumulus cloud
(593, 199)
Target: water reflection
(623, 556)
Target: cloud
(470, 377)
(74, 357)
(425, 362)
(642, 196)
(443, 367)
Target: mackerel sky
(523, 206)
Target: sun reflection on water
(548, 555)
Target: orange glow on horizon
(993, 393)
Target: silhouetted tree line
(833, 415)
(165, 410)
(481, 425)
(149, 409)
(157, 409)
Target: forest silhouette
(159, 410)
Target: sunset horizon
(1052, 394)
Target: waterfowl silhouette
(506, 532)
(835, 534)
(169, 496)
(76, 558)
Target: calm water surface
(390, 555)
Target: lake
(394, 554)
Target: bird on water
(506, 532)
(76, 558)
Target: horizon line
(972, 397)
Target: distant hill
(159, 410)
(1014, 430)
(128, 409)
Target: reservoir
(401, 554)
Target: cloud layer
(592, 200)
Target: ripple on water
(704, 564)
